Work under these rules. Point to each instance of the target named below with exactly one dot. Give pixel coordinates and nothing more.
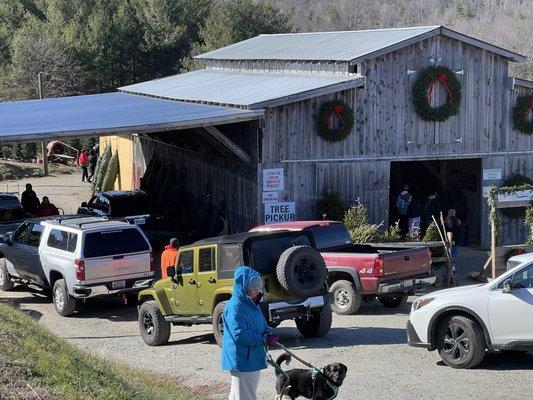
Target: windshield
(331, 236)
(114, 242)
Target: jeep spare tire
(301, 270)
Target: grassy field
(34, 364)
(13, 170)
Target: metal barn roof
(106, 114)
(345, 46)
(252, 90)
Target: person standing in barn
(402, 206)
(83, 161)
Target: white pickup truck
(77, 257)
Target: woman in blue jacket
(245, 335)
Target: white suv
(462, 323)
(77, 258)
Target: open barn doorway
(457, 184)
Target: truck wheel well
(220, 298)
(337, 276)
(460, 311)
(144, 299)
(54, 276)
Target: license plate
(139, 221)
(118, 284)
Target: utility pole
(43, 143)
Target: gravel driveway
(372, 345)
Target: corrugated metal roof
(252, 90)
(109, 113)
(344, 46)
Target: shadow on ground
(512, 361)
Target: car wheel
(394, 301)
(155, 330)
(346, 299)
(64, 303)
(301, 270)
(218, 323)
(461, 342)
(6, 283)
(317, 325)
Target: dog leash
(315, 372)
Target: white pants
(244, 385)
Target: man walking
(83, 160)
(168, 257)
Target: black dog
(303, 383)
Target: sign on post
(280, 212)
(273, 179)
(492, 174)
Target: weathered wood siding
(387, 127)
(124, 146)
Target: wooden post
(493, 248)
(43, 143)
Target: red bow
(442, 78)
(336, 112)
(529, 109)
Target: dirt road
(372, 345)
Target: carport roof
(244, 89)
(108, 114)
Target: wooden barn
(276, 165)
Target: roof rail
(93, 222)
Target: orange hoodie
(168, 259)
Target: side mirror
(171, 272)
(84, 204)
(507, 286)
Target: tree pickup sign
(280, 212)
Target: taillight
(80, 269)
(378, 267)
(152, 261)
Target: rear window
(230, 258)
(265, 253)
(331, 236)
(130, 205)
(10, 209)
(62, 240)
(114, 242)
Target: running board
(191, 320)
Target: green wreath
(335, 121)
(423, 89)
(521, 111)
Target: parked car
(201, 283)
(76, 258)
(359, 272)
(135, 207)
(463, 323)
(517, 260)
(11, 212)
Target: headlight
(422, 302)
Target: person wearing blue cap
(245, 335)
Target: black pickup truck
(11, 213)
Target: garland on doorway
(335, 121)
(522, 111)
(424, 88)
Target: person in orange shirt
(168, 257)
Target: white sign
(280, 212)
(269, 197)
(522, 198)
(492, 174)
(273, 179)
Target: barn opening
(201, 180)
(457, 183)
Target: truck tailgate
(106, 269)
(406, 263)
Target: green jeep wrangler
(198, 287)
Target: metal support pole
(43, 143)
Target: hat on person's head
(406, 187)
(256, 283)
(174, 242)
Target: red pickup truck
(363, 272)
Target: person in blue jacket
(245, 335)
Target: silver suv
(77, 258)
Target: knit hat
(255, 284)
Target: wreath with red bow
(424, 88)
(523, 114)
(335, 120)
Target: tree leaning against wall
(111, 174)
(106, 158)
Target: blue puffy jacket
(244, 328)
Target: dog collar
(330, 383)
